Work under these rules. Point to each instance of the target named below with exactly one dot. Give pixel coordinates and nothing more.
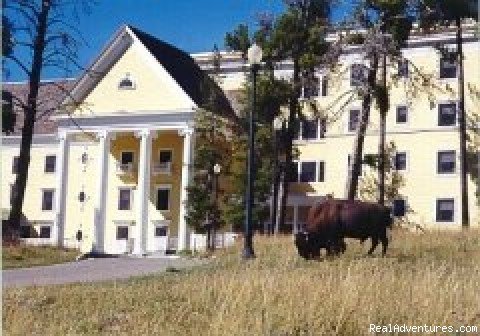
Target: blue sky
(191, 25)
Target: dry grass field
(17, 256)
(431, 278)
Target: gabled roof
(181, 67)
(50, 95)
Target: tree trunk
(292, 122)
(29, 122)
(275, 185)
(462, 125)
(356, 162)
(281, 183)
(381, 144)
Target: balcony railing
(162, 168)
(125, 168)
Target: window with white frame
(126, 83)
(310, 129)
(161, 231)
(310, 87)
(15, 163)
(165, 160)
(122, 232)
(126, 158)
(445, 210)
(308, 171)
(163, 198)
(26, 231)
(401, 161)
(399, 207)
(323, 127)
(324, 86)
(124, 199)
(448, 68)
(403, 68)
(48, 199)
(446, 162)
(358, 75)
(447, 114)
(50, 162)
(353, 120)
(45, 231)
(402, 114)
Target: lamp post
(278, 124)
(216, 172)
(254, 58)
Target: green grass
(18, 256)
(431, 278)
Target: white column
(60, 192)
(186, 167)
(143, 191)
(102, 191)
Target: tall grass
(16, 256)
(429, 279)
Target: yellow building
(109, 173)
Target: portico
(143, 217)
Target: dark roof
(182, 67)
(50, 95)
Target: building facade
(110, 174)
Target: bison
(332, 220)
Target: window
(402, 114)
(122, 232)
(310, 87)
(353, 120)
(321, 171)
(401, 161)
(310, 129)
(445, 210)
(50, 161)
(126, 83)
(448, 68)
(446, 162)
(308, 171)
(403, 68)
(399, 207)
(447, 114)
(127, 158)
(165, 156)
(81, 196)
(15, 164)
(161, 231)
(47, 199)
(45, 231)
(124, 199)
(163, 198)
(358, 75)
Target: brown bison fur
(329, 222)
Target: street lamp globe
(254, 54)
(217, 168)
(278, 123)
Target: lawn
(431, 278)
(27, 256)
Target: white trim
(163, 187)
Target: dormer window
(126, 83)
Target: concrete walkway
(92, 270)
